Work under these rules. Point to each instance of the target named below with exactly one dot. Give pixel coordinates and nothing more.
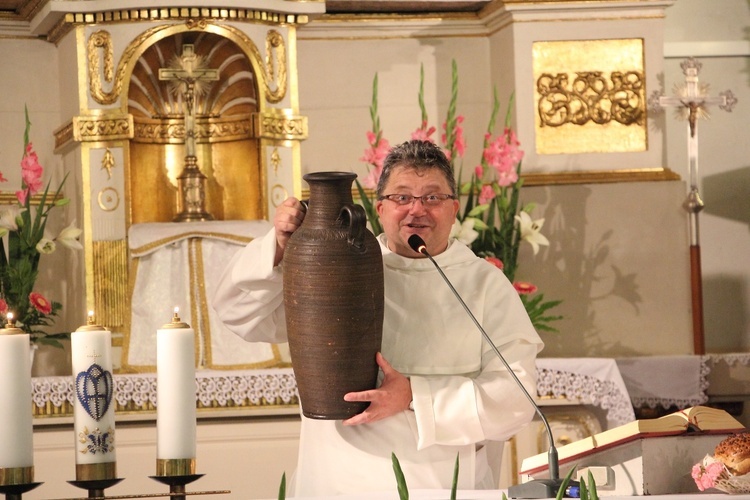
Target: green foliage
(403, 489)
(282, 487)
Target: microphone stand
(537, 488)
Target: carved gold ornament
(108, 162)
(280, 125)
(590, 96)
(275, 161)
(108, 199)
(275, 66)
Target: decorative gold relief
(278, 194)
(590, 96)
(108, 162)
(275, 160)
(275, 66)
(207, 130)
(280, 125)
(108, 199)
(102, 41)
(94, 128)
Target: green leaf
(454, 486)
(282, 487)
(592, 487)
(564, 485)
(403, 490)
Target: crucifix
(190, 78)
(691, 101)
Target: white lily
(45, 246)
(69, 237)
(530, 230)
(8, 216)
(464, 231)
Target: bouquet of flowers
(493, 221)
(23, 241)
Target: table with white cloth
(592, 381)
(178, 265)
(666, 381)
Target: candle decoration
(16, 425)
(175, 399)
(93, 413)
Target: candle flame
(176, 310)
(91, 318)
(9, 316)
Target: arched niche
(227, 146)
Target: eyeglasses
(428, 200)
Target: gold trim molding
(280, 125)
(94, 128)
(194, 15)
(600, 176)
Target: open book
(698, 419)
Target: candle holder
(95, 487)
(176, 473)
(15, 481)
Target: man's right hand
(288, 218)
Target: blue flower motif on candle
(94, 389)
(97, 441)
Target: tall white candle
(175, 393)
(94, 410)
(16, 427)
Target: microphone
(537, 488)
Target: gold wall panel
(590, 96)
(111, 283)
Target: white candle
(94, 410)
(16, 427)
(175, 391)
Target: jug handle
(355, 218)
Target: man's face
(432, 223)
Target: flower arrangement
(493, 221)
(23, 241)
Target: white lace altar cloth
(178, 265)
(666, 381)
(276, 388)
(271, 388)
(594, 381)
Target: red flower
(524, 288)
(3, 307)
(495, 262)
(40, 303)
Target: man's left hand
(392, 397)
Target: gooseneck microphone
(538, 488)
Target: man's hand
(393, 396)
(288, 218)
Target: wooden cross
(190, 76)
(692, 101)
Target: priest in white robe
(442, 392)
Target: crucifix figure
(190, 79)
(691, 101)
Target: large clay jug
(333, 299)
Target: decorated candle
(94, 410)
(175, 398)
(16, 428)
